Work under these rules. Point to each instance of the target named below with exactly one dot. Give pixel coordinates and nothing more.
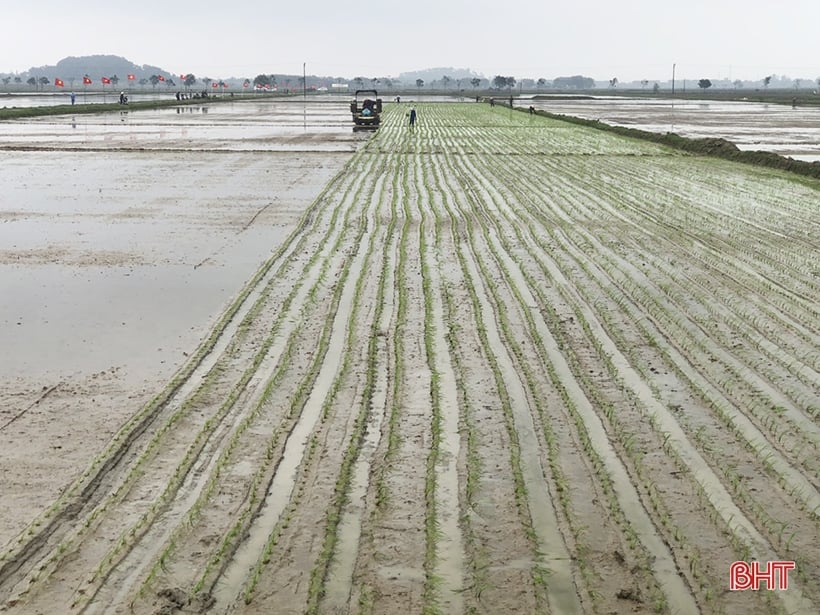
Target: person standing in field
(412, 117)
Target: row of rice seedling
(519, 289)
(587, 249)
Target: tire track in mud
(339, 572)
(391, 563)
(449, 549)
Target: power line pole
(673, 79)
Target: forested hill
(95, 66)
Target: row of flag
(104, 80)
(107, 81)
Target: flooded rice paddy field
(245, 125)
(793, 132)
(487, 365)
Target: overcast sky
(627, 39)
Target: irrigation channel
(504, 364)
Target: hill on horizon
(436, 74)
(73, 68)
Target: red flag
(246, 84)
(213, 85)
(86, 80)
(106, 80)
(131, 77)
(59, 83)
(160, 77)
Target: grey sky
(627, 39)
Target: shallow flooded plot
(270, 125)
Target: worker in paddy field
(412, 117)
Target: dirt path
(501, 364)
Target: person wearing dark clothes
(412, 117)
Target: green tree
(704, 84)
(419, 83)
(578, 82)
(475, 82)
(656, 88)
(499, 82)
(766, 81)
(189, 80)
(32, 81)
(445, 80)
(541, 83)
